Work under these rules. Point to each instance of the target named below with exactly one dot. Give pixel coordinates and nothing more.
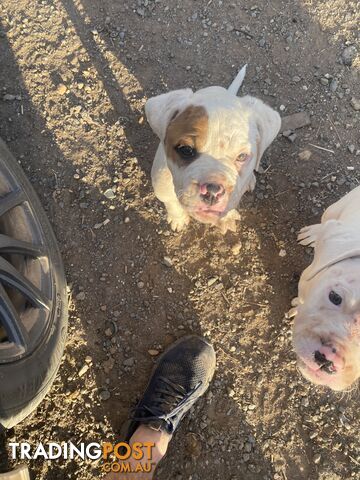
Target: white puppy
(211, 141)
(326, 332)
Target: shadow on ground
(132, 301)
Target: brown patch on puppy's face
(186, 135)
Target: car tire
(29, 357)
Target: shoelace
(169, 394)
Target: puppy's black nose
(213, 188)
(324, 364)
(211, 192)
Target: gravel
(348, 55)
(75, 82)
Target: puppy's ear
(268, 124)
(161, 109)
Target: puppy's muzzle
(327, 358)
(211, 193)
(324, 364)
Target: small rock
(305, 402)
(61, 89)
(129, 362)
(153, 352)
(236, 249)
(333, 85)
(109, 193)
(305, 155)
(193, 445)
(104, 395)
(141, 285)
(317, 458)
(211, 281)
(167, 262)
(248, 447)
(351, 148)
(8, 97)
(324, 81)
(296, 79)
(348, 55)
(109, 332)
(282, 108)
(108, 365)
(355, 103)
(287, 133)
(83, 370)
(290, 135)
(282, 253)
(80, 296)
(262, 42)
(295, 121)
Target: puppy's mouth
(200, 206)
(335, 380)
(314, 374)
(213, 210)
(210, 214)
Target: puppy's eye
(186, 151)
(242, 157)
(335, 298)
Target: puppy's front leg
(163, 185)
(176, 215)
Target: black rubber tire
(24, 383)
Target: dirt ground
(80, 71)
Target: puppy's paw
(177, 223)
(229, 222)
(308, 235)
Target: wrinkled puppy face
(209, 148)
(211, 145)
(326, 333)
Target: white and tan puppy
(326, 333)
(211, 141)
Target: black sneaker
(182, 374)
